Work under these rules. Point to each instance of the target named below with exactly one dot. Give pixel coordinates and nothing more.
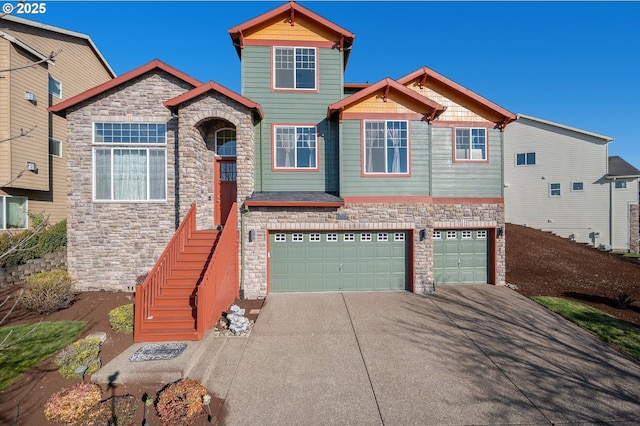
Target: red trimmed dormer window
(294, 68)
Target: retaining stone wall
(18, 274)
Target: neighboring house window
(295, 147)
(55, 87)
(471, 144)
(13, 212)
(620, 184)
(386, 147)
(295, 68)
(134, 168)
(577, 186)
(554, 189)
(226, 142)
(525, 159)
(55, 147)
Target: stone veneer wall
(410, 217)
(111, 243)
(634, 228)
(197, 161)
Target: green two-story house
(391, 186)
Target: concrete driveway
(464, 355)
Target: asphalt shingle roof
(619, 167)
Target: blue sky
(574, 63)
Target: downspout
(176, 170)
(260, 158)
(612, 183)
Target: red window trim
(273, 47)
(273, 148)
(363, 148)
(453, 145)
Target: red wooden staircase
(194, 280)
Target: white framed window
(349, 237)
(466, 235)
(332, 237)
(314, 238)
(620, 184)
(471, 144)
(280, 238)
(295, 147)
(452, 235)
(525, 159)
(481, 234)
(14, 212)
(129, 162)
(294, 68)
(297, 238)
(226, 142)
(383, 237)
(437, 235)
(555, 190)
(55, 147)
(398, 236)
(577, 186)
(55, 88)
(386, 147)
(365, 236)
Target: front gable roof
(215, 87)
(292, 13)
(425, 77)
(384, 89)
(156, 64)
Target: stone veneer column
(634, 228)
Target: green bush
(81, 353)
(121, 319)
(50, 239)
(49, 291)
(181, 402)
(70, 406)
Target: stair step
(169, 323)
(177, 291)
(166, 335)
(182, 263)
(183, 297)
(177, 312)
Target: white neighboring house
(561, 179)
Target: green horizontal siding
(465, 179)
(354, 184)
(290, 107)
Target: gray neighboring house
(561, 179)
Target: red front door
(225, 190)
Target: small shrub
(49, 239)
(114, 411)
(141, 278)
(47, 292)
(70, 406)
(181, 402)
(83, 352)
(121, 319)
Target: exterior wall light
(32, 167)
(252, 235)
(423, 234)
(500, 232)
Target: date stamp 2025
(25, 8)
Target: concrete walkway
(464, 355)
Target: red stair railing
(157, 278)
(219, 286)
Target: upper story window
(471, 144)
(13, 212)
(55, 87)
(577, 186)
(620, 184)
(294, 68)
(386, 147)
(134, 167)
(555, 190)
(226, 142)
(525, 159)
(295, 147)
